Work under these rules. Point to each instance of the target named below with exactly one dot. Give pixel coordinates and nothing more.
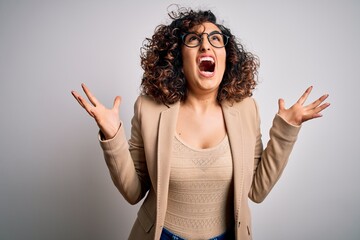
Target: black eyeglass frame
(224, 36)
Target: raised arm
(270, 162)
(127, 168)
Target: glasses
(216, 39)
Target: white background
(54, 183)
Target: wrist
(106, 135)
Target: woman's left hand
(297, 113)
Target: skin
(201, 86)
(108, 120)
(199, 113)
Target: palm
(107, 119)
(298, 113)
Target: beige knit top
(200, 201)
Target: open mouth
(207, 64)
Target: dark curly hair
(161, 60)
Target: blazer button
(238, 224)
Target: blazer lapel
(235, 132)
(167, 127)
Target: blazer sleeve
(126, 160)
(270, 162)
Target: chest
(201, 130)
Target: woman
(195, 151)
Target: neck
(201, 103)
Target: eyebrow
(213, 32)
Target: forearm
(270, 163)
(121, 166)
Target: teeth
(206, 59)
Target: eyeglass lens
(215, 39)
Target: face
(204, 65)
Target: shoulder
(247, 104)
(146, 105)
(246, 109)
(148, 102)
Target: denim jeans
(167, 235)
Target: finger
(312, 116)
(85, 105)
(305, 95)
(321, 107)
(317, 102)
(89, 95)
(76, 96)
(117, 102)
(316, 115)
(281, 103)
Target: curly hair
(161, 61)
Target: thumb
(281, 103)
(117, 102)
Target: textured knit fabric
(140, 168)
(199, 204)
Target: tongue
(206, 66)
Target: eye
(216, 37)
(192, 38)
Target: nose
(205, 44)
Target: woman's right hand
(107, 119)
